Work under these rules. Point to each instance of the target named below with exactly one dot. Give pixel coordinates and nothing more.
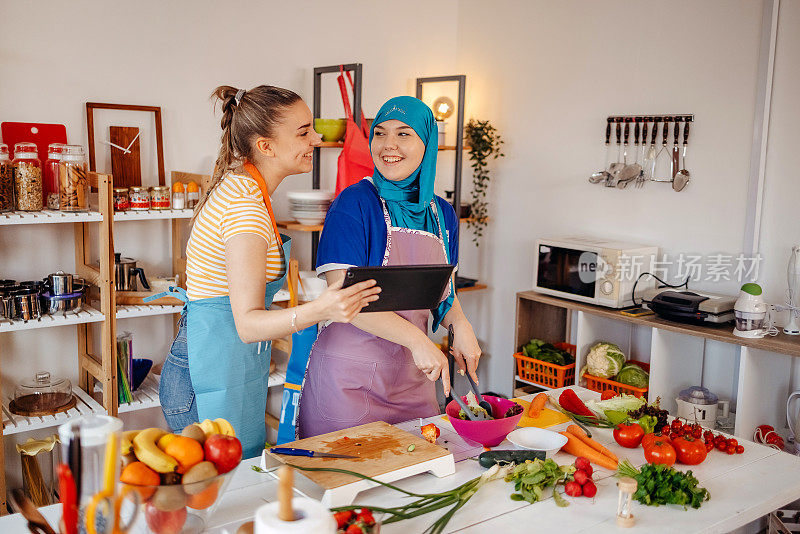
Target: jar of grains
(27, 177)
(159, 197)
(139, 198)
(73, 184)
(6, 180)
(121, 201)
(50, 181)
(192, 195)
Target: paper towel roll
(311, 517)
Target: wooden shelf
(781, 343)
(471, 219)
(340, 145)
(294, 225)
(48, 217)
(86, 315)
(145, 397)
(14, 423)
(126, 311)
(151, 215)
(476, 287)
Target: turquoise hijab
(409, 200)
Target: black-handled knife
(288, 451)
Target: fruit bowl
(331, 130)
(170, 509)
(489, 433)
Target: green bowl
(332, 130)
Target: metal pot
(60, 283)
(126, 272)
(62, 303)
(8, 308)
(27, 304)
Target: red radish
(581, 477)
(573, 489)
(589, 489)
(584, 465)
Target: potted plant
(484, 144)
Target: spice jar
(121, 200)
(27, 177)
(50, 181)
(159, 198)
(139, 198)
(72, 180)
(178, 196)
(192, 195)
(6, 180)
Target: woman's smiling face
(396, 149)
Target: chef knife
(288, 451)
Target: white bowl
(537, 439)
(313, 195)
(310, 221)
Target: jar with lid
(121, 199)
(139, 198)
(73, 184)
(159, 198)
(178, 196)
(192, 195)
(6, 180)
(50, 181)
(42, 395)
(27, 177)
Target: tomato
(343, 517)
(629, 436)
(708, 435)
(224, 451)
(733, 442)
(365, 515)
(709, 446)
(608, 394)
(649, 439)
(676, 424)
(739, 449)
(689, 451)
(660, 452)
(697, 432)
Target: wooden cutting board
(382, 451)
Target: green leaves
(659, 484)
(483, 142)
(531, 478)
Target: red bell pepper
(572, 403)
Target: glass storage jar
(6, 180)
(121, 200)
(73, 183)
(27, 177)
(192, 195)
(178, 196)
(50, 181)
(41, 394)
(159, 198)
(139, 198)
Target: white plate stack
(309, 207)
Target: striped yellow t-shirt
(236, 206)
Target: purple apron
(354, 377)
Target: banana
(126, 446)
(210, 427)
(225, 427)
(165, 440)
(146, 450)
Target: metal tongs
(470, 414)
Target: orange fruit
(205, 498)
(138, 474)
(187, 451)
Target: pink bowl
(488, 433)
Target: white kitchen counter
(743, 488)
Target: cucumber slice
(489, 458)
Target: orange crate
(595, 383)
(547, 374)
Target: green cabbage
(633, 375)
(623, 403)
(604, 360)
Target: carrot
(578, 432)
(578, 448)
(537, 405)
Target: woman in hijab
(383, 366)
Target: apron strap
(253, 172)
(176, 292)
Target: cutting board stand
(346, 494)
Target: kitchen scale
(686, 306)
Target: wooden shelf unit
(476, 287)
(676, 352)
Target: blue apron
(230, 377)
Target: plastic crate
(547, 374)
(595, 383)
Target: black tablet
(403, 287)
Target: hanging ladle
(682, 177)
(604, 175)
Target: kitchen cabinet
(755, 374)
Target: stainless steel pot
(62, 304)
(60, 283)
(126, 272)
(27, 304)
(8, 307)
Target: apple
(162, 522)
(224, 451)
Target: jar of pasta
(27, 177)
(121, 200)
(159, 198)
(6, 180)
(139, 198)
(73, 184)
(50, 180)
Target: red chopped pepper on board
(430, 432)
(572, 403)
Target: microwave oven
(592, 270)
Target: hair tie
(239, 94)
